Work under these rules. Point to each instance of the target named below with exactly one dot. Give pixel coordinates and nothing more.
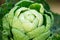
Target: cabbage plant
(27, 20)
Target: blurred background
(54, 5)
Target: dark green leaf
(24, 3)
(45, 4)
(35, 6)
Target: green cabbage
(27, 20)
